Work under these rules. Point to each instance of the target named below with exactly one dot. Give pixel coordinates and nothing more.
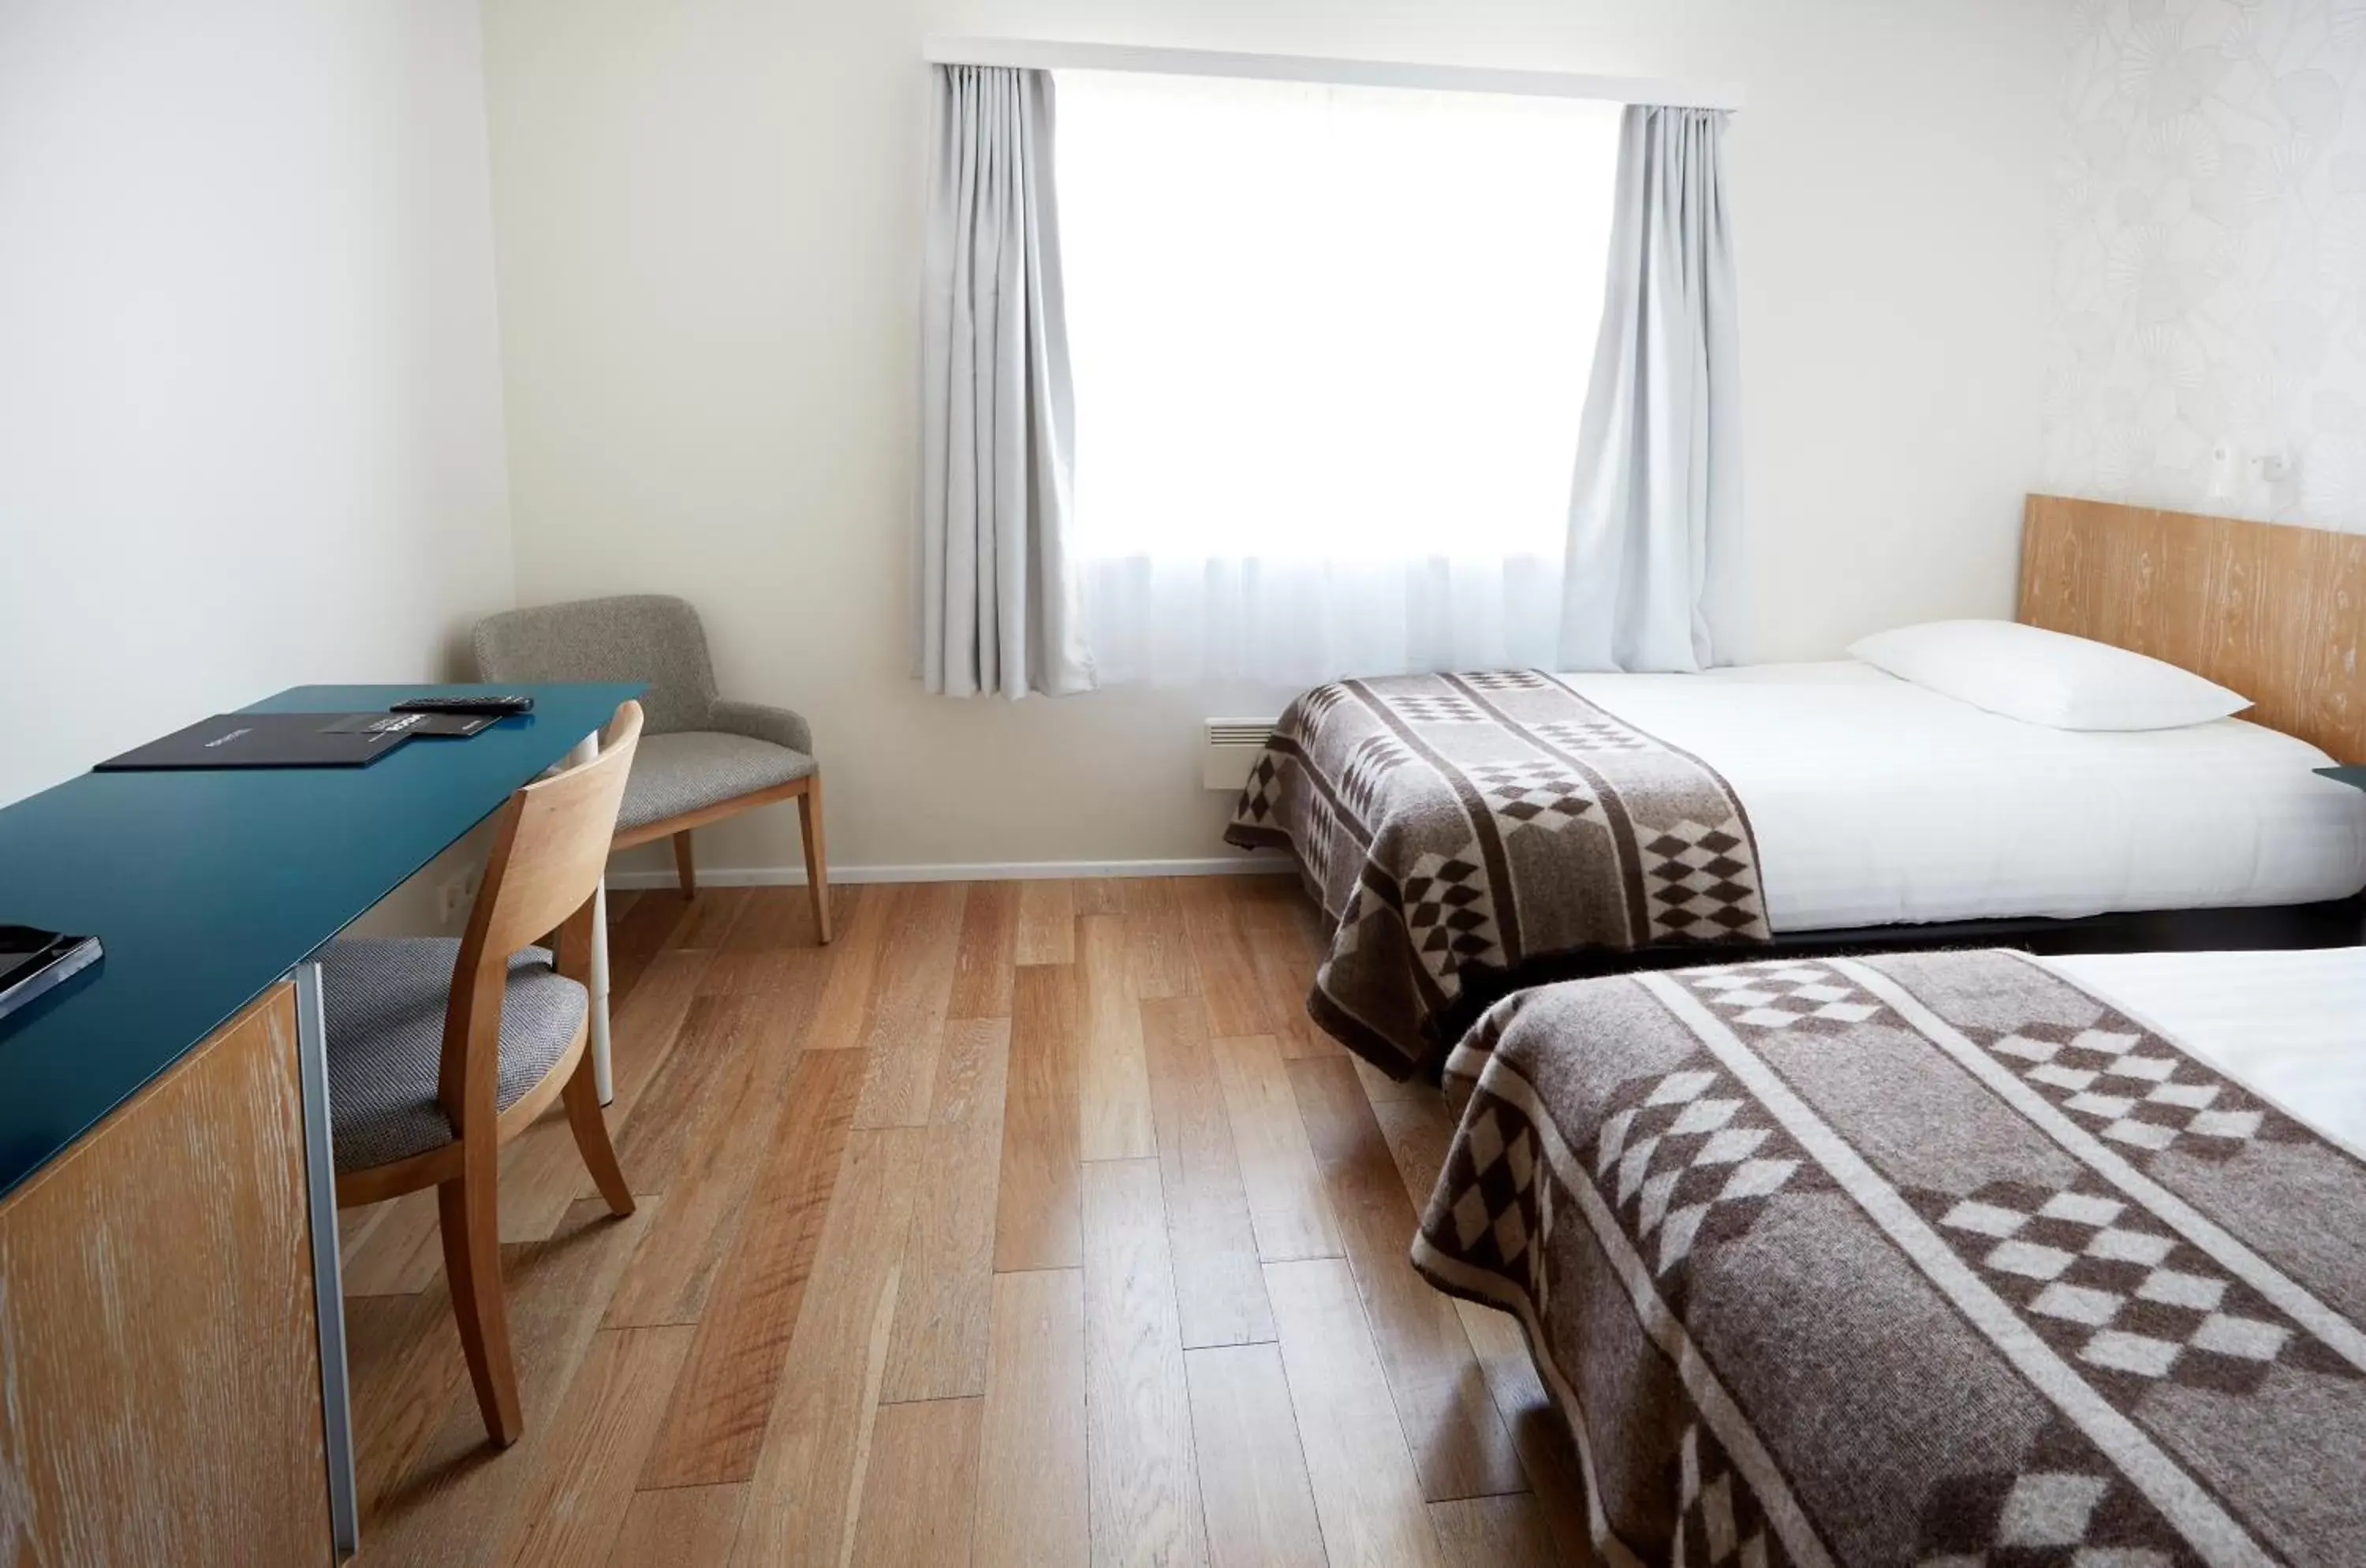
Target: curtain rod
(1041, 55)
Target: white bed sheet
(1875, 801)
(2289, 1026)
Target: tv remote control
(496, 705)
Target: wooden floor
(1029, 1223)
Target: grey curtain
(998, 595)
(1656, 506)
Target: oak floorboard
(1031, 1484)
(403, 1252)
(637, 936)
(1219, 1288)
(1226, 959)
(1450, 1423)
(1113, 1076)
(1252, 1471)
(1097, 896)
(1273, 898)
(1377, 1086)
(681, 1526)
(772, 920)
(664, 1124)
(572, 1505)
(1139, 1461)
(984, 958)
(1419, 1132)
(357, 1225)
(1495, 1532)
(1286, 957)
(708, 921)
(842, 1017)
(1036, 1208)
(405, 1369)
(452, 1505)
(806, 1493)
(1047, 922)
(1287, 1206)
(1144, 895)
(1158, 947)
(725, 1144)
(939, 1350)
(1547, 1453)
(713, 1424)
(918, 1497)
(1366, 1490)
(908, 1007)
(542, 1173)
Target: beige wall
(707, 217)
(250, 376)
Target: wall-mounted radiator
(1231, 750)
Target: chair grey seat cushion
(698, 768)
(385, 1001)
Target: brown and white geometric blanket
(1458, 829)
(1931, 1259)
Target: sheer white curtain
(999, 589)
(1655, 514)
(1330, 348)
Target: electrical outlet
(2273, 468)
(453, 894)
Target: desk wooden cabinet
(157, 1340)
(172, 1346)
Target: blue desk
(209, 887)
(207, 890)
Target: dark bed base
(2338, 922)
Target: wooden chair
(705, 757)
(440, 1051)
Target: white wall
(708, 224)
(249, 384)
(2211, 284)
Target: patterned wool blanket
(1932, 1258)
(1462, 832)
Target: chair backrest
(635, 636)
(550, 847)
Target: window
(1330, 348)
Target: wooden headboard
(2276, 612)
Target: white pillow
(2049, 678)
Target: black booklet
(33, 962)
(274, 741)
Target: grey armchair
(702, 757)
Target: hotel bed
(1937, 1257)
(1468, 834)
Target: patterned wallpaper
(2211, 217)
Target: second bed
(1466, 834)
(1943, 1259)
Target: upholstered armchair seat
(692, 770)
(702, 756)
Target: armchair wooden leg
(681, 864)
(816, 855)
(582, 1097)
(468, 1214)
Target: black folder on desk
(273, 741)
